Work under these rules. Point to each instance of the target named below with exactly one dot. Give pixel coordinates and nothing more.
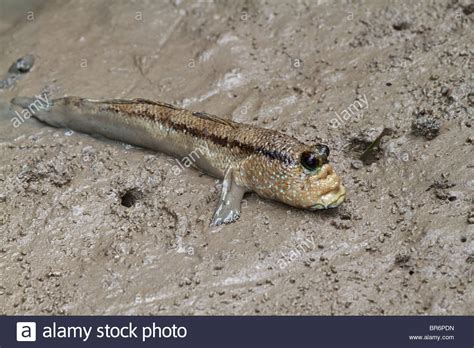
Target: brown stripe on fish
(167, 111)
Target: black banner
(199, 331)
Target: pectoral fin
(228, 208)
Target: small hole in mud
(411, 272)
(463, 239)
(130, 198)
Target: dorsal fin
(139, 101)
(151, 102)
(213, 118)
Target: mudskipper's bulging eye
(310, 161)
(323, 151)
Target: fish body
(248, 158)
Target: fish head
(307, 180)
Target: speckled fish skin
(248, 158)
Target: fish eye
(322, 150)
(310, 161)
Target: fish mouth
(331, 199)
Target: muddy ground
(89, 226)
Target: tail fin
(33, 104)
(23, 102)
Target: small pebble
(426, 126)
(356, 164)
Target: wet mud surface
(92, 226)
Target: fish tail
(23, 102)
